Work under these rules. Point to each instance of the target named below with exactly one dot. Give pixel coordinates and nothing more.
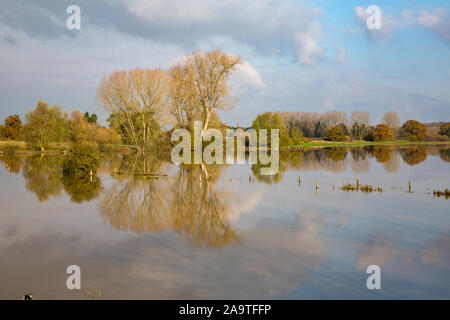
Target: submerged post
(299, 181)
(410, 186)
(357, 184)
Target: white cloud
(308, 50)
(437, 21)
(249, 74)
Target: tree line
(298, 127)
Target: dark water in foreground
(177, 237)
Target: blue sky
(300, 55)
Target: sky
(298, 55)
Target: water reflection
(11, 162)
(43, 175)
(414, 155)
(187, 202)
(275, 241)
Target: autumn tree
(382, 132)
(413, 130)
(138, 99)
(12, 130)
(207, 76)
(185, 105)
(391, 119)
(43, 126)
(444, 130)
(335, 133)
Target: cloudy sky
(299, 54)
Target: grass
(363, 188)
(445, 193)
(21, 147)
(324, 143)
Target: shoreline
(318, 144)
(359, 143)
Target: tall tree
(209, 74)
(184, 100)
(391, 119)
(361, 118)
(43, 126)
(137, 99)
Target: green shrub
(335, 134)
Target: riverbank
(20, 147)
(359, 143)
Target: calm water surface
(178, 237)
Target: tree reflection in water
(445, 154)
(186, 202)
(12, 162)
(42, 175)
(414, 155)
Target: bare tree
(209, 73)
(139, 98)
(184, 101)
(391, 119)
(360, 118)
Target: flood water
(179, 237)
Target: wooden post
(299, 181)
(410, 186)
(317, 187)
(357, 184)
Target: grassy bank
(360, 143)
(20, 147)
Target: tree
(344, 128)
(43, 126)
(269, 121)
(413, 130)
(333, 118)
(138, 99)
(184, 102)
(90, 118)
(320, 129)
(382, 133)
(360, 118)
(12, 130)
(444, 130)
(391, 119)
(335, 134)
(208, 75)
(359, 130)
